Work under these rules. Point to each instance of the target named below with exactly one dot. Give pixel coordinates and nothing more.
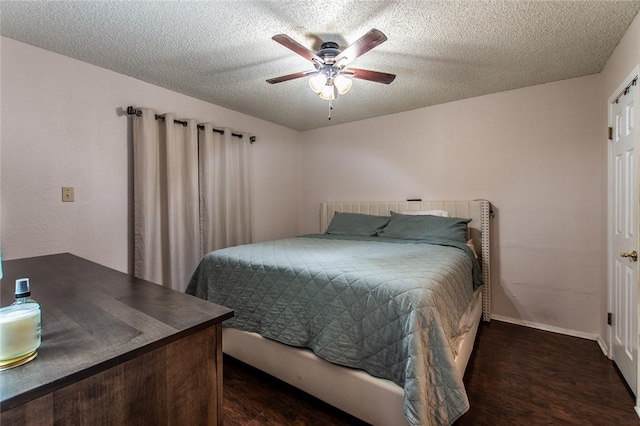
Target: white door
(623, 232)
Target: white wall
(62, 126)
(622, 62)
(534, 153)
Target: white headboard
(479, 211)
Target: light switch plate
(67, 194)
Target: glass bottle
(23, 296)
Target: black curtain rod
(132, 111)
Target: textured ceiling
(222, 52)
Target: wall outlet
(67, 194)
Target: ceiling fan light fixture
(330, 77)
(318, 82)
(328, 92)
(342, 83)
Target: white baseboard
(603, 346)
(545, 327)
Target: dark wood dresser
(115, 350)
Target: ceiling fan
(331, 75)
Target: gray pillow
(356, 224)
(409, 227)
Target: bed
(347, 319)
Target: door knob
(633, 256)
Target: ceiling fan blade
(290, 77)
(290, 43)
(361, 46)
(378, 77)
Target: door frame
(633, 74)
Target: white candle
(19, 330)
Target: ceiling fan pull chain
(330, 108)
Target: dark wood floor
(516, 376)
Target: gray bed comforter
(388, 307)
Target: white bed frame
(374, 400)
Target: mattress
(376, 401)
(390, 308)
